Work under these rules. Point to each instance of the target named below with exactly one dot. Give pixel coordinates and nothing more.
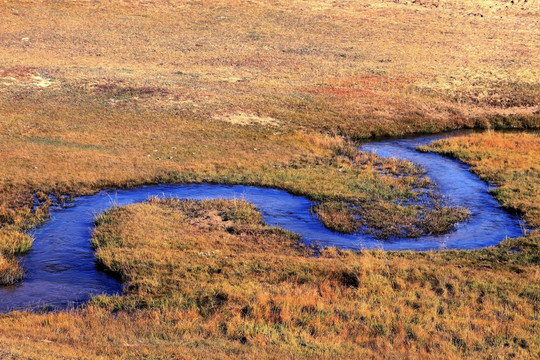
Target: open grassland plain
(207, 279)
(106, 94)
(121, 93)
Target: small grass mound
(12, 243)
(10, 271)
(394, 199)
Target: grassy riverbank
(96, 95)
(210, 280)
(510, 161)
(335, 172)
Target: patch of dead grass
(246, 119)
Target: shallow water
(61, 269)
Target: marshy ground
(100, 95)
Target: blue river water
(61, 269)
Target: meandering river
(61, 269)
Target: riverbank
(396, 198)
(337, 173)
(209, 279)
(340, 304)
(508, 161)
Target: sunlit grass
(10, 270)
(96, 95)
(209, 279)
(12, 242)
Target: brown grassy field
(210, 280)
(98, 94)
(121, 93)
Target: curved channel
(61, 269)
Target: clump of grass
(337, 216)
(19, 210)
(10, 270)
(116, 89)
(442, 219)
(406, 205)
(13, 242)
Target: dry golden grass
(96, 94)
(10, 270)
(209, 280)
(347, 67)
(12, 243)
(114, 94)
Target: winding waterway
(61, 269)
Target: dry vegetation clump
(13, 242)
(117, 90)
(338, 216)
(386, 219)
(241, 118)
(406, 205)
(209, 279)
(511, 161)
(10, 270)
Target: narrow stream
(61, 270)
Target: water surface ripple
(61, 269)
